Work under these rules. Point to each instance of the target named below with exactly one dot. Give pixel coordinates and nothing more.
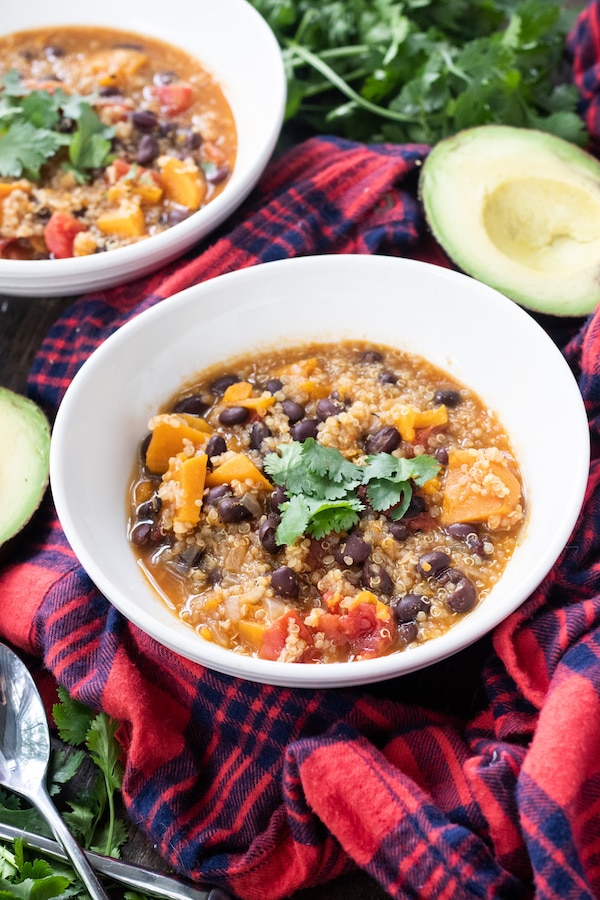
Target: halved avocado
(24, 461)
(519, 210)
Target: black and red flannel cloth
(478, 777)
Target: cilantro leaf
(90, 144)
(337, 515)
(25, 148)
(385, 70)
(322, 487)
(388, 479)
(72, 718)
(31, 132)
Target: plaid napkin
(477, 777)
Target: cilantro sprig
(322, 487)
(420, 70)
(31, 131)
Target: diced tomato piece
(60, 233)
(121, 167)
(331, 626)
(174, 98)
(368, 634)
(421, 522)
(276, 636)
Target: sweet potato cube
(478, 488)
(252, 632)
(183, 182)
(411, 419)
(126, 220)
(237, 468)
(191, 475)
(168, 437)
(7, 187)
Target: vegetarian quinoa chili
(326, 503)
(106, 138)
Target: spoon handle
(80, 863)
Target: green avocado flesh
(24, 461)
(519, 210)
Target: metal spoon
(24, 757)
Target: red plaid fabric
(477, 777)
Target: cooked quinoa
(210, 508)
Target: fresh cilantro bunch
(322, 487)
(420, 70)
(31, 123)
(91, 816)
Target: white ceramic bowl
(470, 330)
(234, 43)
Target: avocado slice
(24, 461)
(519, 210)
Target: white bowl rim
(64, 277)
(190, 645)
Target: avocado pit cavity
(544, 224)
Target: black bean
(54, 52)
(407, 608)
(416, 506)
(447, 398)
(464, 595)
(215, 446)
(218, 174)
(232, 510)
(388, 378)
(375, 578)
(109, 90)
(278, 497)
(273, 385)
(384, 440)
(306, 428)
(175, 215)
(149, 508)
(189, 138)
(353, 550)
(468, 535)
(141, 533)
(327, 407)
(398, 530)
(371, 356)
(220, 385)
(258, 433)
(407, 632)
(441, 455)
(144, 119)
(234, 415)
(216, 493)
(147, 149)
(285, 583)
(294, 411)
(266, 534)
(432, 563)
(193, 405)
